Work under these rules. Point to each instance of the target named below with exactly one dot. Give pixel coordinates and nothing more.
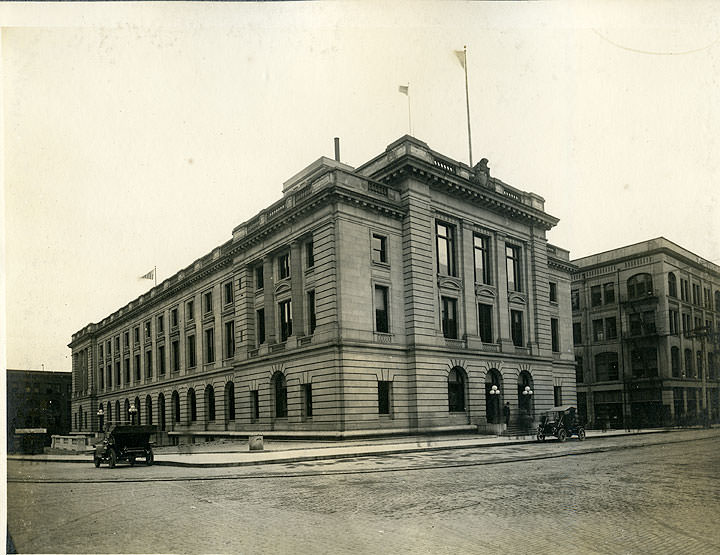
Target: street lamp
(101, 416)
(133, 411)
(494, 391)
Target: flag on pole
(461, 57)
(405, 89)
(149, 275)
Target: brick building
(391, 298)
(38, 399)
(644, 321)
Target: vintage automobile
(125, 442)
(560, 422)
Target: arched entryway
(192, 405)
(493, 396)
(457, 389)
(118, 414)
(126, 413)
(526, 395)
(229, 402)
(137, 407)
(209, 403)
(148, 410)
(175, 399)
(108, 413)
(161, 411)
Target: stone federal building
(645, 321)
(410, 294)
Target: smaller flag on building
(404, 89)
(149, 275)
(461, 56)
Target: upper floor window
(609, 292)
(595, 295)
(207, 302)
(190, 309)
(312, 316)
(379, 248)
(381, 309)
(516, 328)
(449, 318)
(684, 290)
(174, 317)
(555, 334)
(136, 334)
(283, 263)
(575, 299)
(147, 329)
(553, 292)
(512, 254)
(672, 285)
(228, 295)
(577, 333)
(639, 286)
(285, 320)
(481, 250)
(310, 254)
(446, 249)
(717, 301)
(126, 339)
(606, 366)
(695, 293)
(160, 324)
(259, 277)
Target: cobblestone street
(622, 495)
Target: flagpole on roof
(155, 267)
(462, 57)
(405, 89)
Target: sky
(138, 135)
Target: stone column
(269, 300)
(297, 290)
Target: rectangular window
(160, 324)
(174, 317)
(686, 323)
(595, 295)
(485, 312)
(260, 320)
(191, 353)
(100, 351)
(283, 263)
(695, 293)
(384, 391)
(557, 395)
(635, 324)
(611, 328)
(109, 376)
(555, 335)
(598, 331)
(137, 368)
(310, 254)
(379, 248)
(148, 364)
(207, 302)
(209, 345)
(643, 362)
(577, 333)
(254, 405)
(673, 322)
(228, 296)
(312, 318)
(382, 323)
(449, 318)
(575, 299)
(126, 370)
(516, 327)
(136, 335)
(307, 400)
(445, 238)
(285, 320)
(684, 291)
(579, 377)
(126, 339)
(699, 365)
(609, 292)
(259, 277)
(512, 254)
(190, 310)
(147, 329)
(481, 251)
(161, 360)
(553, 292)
(175, 354)
(117, 344)
(229, 339)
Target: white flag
(149, 275)
(404, 89)
(461, 57)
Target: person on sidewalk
(506, 414)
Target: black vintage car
(561, 422)
(125, 442)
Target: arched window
(192, 406)
(279, 387)
(639, 286)
(148, 410)
(606, 367)
(210, 403)
(118, 414)
(137, 406)
(456, 390)
(229, 401)
(127, 410)
(493, 395)
(525, 392)
(108, 413)
(161, 411)
(689, 373)
(175, 400)
(672, 285)
(675, 361)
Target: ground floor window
(384, 392)
(456, 390)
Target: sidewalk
(223, 454)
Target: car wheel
(132, 461)
(112, 459)
(96, 460)
(540, 436)
(562, 434)
(149, 457)
(581, 434)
